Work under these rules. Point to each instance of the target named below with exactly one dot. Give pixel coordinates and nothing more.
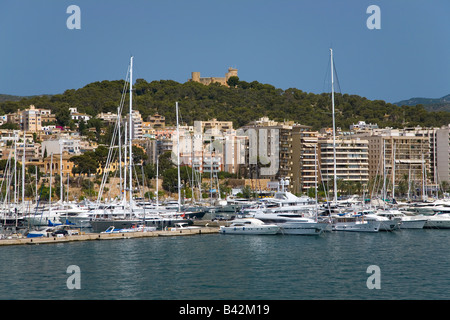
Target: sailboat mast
(125, 165)
(393, 173)
(315, 180)
(384, 173)
(51, 174)
(120, 153)
(60, 171)
(178, 160)
(131, 132)
(15, 173)
(334, 128)
(157, 183)
(193, 170)
(424, 194)
(23, 172)
(67, 193)
(211, 171)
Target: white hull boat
(413, 224)
(139, 228)
(357, 226)
(42, 219)
(438, 221)
(406, 221)
(249, 226)
(354, 224)
(292, 224)
(386, 224)
(183, 226)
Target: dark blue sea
(413, 264)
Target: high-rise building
(305, 159)
(351, 159)
(443, 154)
(400, 155)
(31, 119)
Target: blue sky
(282, 42)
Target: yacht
(439, 220)
(406, 221)
(428, 208)
(122, 217)
(282, 202)
(291, 223)
(251, 226)
(386, 223)
(180, 226)
(42, 217)
(354, 223)
(134, 228)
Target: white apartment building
(351, 159)
(69, 145)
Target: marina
(215, 267)
(208, 154)
(246, 221)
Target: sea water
(413, 264)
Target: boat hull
(437, 224)
(389, 225)
(102, 225)
(38, 221)
(99, 225)
(412, 224)
(357, 226)
(258, 230)
(293, 228)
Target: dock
(108, 236)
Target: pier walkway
(108, 236)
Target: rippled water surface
(414, 264)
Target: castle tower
(232, 72)
(195, 76)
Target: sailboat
(121, 214)
(126, 212)
(346, 221)
(43, 216)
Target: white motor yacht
(42, 218)
(386, 224)
(406, 221)
(291, 223)
(249, 226)
(180, 226)
(438, 221)
(428, 208)
(354, 223)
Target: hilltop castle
(222, 80)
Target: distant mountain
(440, 104)
(8, 97)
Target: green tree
(165, 161)
(138, 154)
(85, 163)
(63, 117)
(82, 127)
(233, 81)
(10, 126)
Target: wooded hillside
(241, 104)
